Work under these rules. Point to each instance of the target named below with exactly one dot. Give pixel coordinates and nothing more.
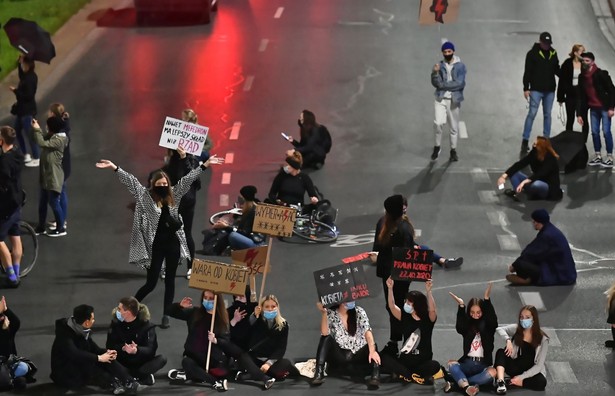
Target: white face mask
(287, 169)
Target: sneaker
(131, 387)
(163, 273)
(188, 273)
(609, 344)
(56, 233)
(52, 225)
(608, 163)
(596, 161)
(451, 263)
(500, 387)
(242, 376)
(448, 387)
(34, 163)
(471, 390)
(177, 375)
(436, 152)
(165, 323)
(453, 157)
(269, 383)
(40, 230)
(27, 158)
(148, 380)
(221, 386)
(512, 194)
(117, 388)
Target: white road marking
(508, 242)
(229, 158)
(532, 298)
(224, 200)
(263, 45)
(480, 175)
(235, 131)
(498, 218)
(248, 84)
(487, 196)
(278, 12)
(553, 339)
(497, 21)
(463, 130)
(561, 372)
(226, 178)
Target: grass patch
(49, 14)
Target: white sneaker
(188, 273)
(33, 163)
(27, 158)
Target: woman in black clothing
(311, 145)
(25, 108)
(197, 342)
(543, 183)
(22, 370)
(477, 327)
(568, 88)
(290, 185)
(239, 313)
(240, 233)
(392, 231)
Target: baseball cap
(545, 37)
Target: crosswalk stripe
(480, 175)
(498, 218)
(532, 298)
(229, 158)
(508, 242)
(224, 199)
(263, 46)
(487, 196)
(248, 84)
(561, 372)
(235, 131)
(553, 339)
(226, 178)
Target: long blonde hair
(610, 295)
(280, 322)
(190, 116)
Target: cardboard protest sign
(177, 133)
(412, 264)
(253, 258)
(274, 220)
(341, 283)
(438, 11)
(219, 277)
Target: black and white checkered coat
(147, 217)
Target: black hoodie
(11, 195)
(541, 67)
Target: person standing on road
(157, 231)
(541, 67)
(568, 88)
(190, 116)
(11, 199)
(597, 95)
(449, 79)
(25, 108)
(57, 110)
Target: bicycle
(29, 242)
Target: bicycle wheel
(29, 242)
(319, 233)
(228, 215)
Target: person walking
(449, 79)
(568, 88)
(597, 95)
(25, 108)
(157, 231)
(541, 67)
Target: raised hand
(104, 164)
(390, 282)
(488, 291)
(459, 300)
(186, 302)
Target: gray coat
(507, 332)
(147, 217)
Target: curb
(603, 9)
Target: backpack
(325, 139)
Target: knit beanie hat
(448, 45)
(248, 193)
(540, 216)
(394, 205)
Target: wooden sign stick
(253, 288)
(211, 328)
(260, 297)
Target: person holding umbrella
(24, 108)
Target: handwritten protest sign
(177, 133)
(341, 283)
(412, 264)
(219, 277)
(438, 11)
(253, 258)
(274, 220)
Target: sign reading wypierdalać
(438, 11)
(336, 285)
(177, 133)
(218, 277)
(274, 220)
(412, 264)
(253, 258)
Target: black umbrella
(30, 39)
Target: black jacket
(311, 142)
(240, 333)
(401, 237)
(546, 171)
(141, 331)
(73, 357)
(267, 342)
(7, 337)
(178, 168)
(540, 70)
(486, 327)
(291, 189)
(565, 89)
(25, 93)
(604, 90)
(11, 194)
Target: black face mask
(585, 66)
(299, 123)
(448, 57)
(161, 191)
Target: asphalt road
(363, 68)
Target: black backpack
(325, 139)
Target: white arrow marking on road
(532, 298)
(508, 242)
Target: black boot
(374, 380)
(321, 357)
(319, 375)
(525, 148)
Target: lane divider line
(226, 178)
(229, 158)
(463, 130)
(532, 298)
(263, 45)
(278, 12)
(480, 175)
(248, 84)
(508, 242)
(224, 200)
(235, 131)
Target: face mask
(161, 191)
(585, 66)
(448, 57)
(299, 123)
(208, 305)
(350, 305)
(408, 308)
(270, 315)
(526, 323)
(287, 169)
(119, 316)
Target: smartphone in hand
(285, 136)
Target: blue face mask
(119, 316)
(350, 305)
(287, 169)
(270, 315)
(526, 323)
(208, 305)
(408, 308)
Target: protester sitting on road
(239, 313)
(240, 233)
(190, 116)
(134, 338)
(524, 356)
(198, 320)
(57, 111)
(346, 344)
(610, 304)
(315, 141)
(51, 174)
(76, 360)
(290, 185)
(11, 199)
(157, 230)
(391, 232)
(547, 260)
(543, 183)
(477, 326)
(417, 318)
(21, 370)
(25, 108)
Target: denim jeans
(597, 116)
(475, 373)
(534, 190)
(23, 125)
(53, 199)
(239, 241)
(547, 104)
(64, 201)
(436, 257)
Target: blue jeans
(535, 190)
(23, 125)
(597, 116)
(436, 257)
(475, 373)
(239, 241)
(53, 199)
(547, 104)
(64, 201)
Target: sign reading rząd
(177, 133)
